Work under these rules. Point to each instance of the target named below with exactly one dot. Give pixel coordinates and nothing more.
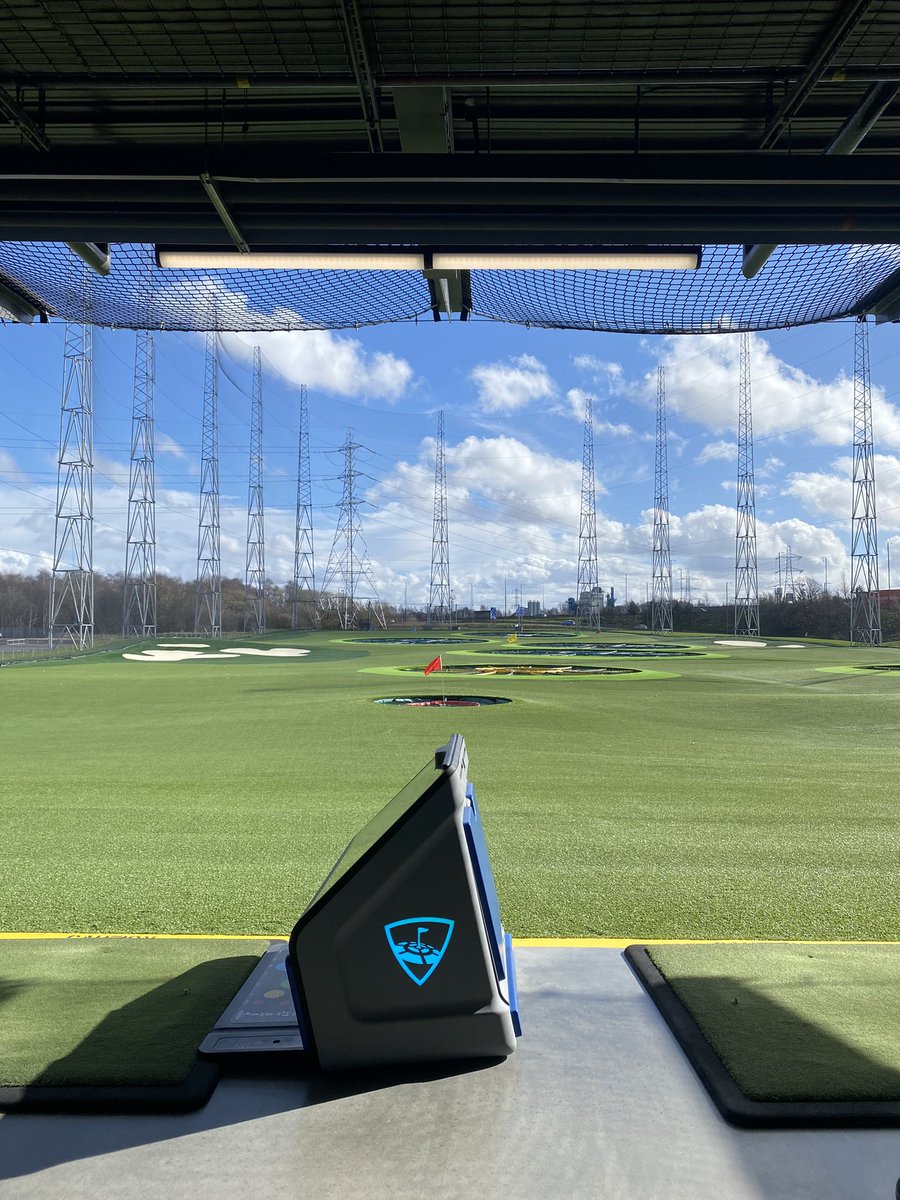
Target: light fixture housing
(95, 254)
(324, 259)
(401, 258)
(626, 258)
(16, 307)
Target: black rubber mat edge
(187, 1096)
(731, 1102)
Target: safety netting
(799, 285)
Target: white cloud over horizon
(511, 385)
(327, 361)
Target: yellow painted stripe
(621, 943)
(172, 937)
(550, 943)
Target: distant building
(533, 608)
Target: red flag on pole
(434, 665)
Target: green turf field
(750, 793)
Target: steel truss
(746, 575)
(439, 606)
(208, 611)
(139, 612)
(865, 600)
(348, 562)
(661, 600)
(303, 595)
(72, 580)
(255, 571)
(588, 598)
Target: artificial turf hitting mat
(113, 1024)
(784, 1035)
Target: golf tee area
(715, 791)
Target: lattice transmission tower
(746, 575)
(661, 600)
(208, 611)
(255, 571)
(139, 611)
(348, 568)
(439, 608)
(865, 600)
(304, 590)
(588, 603)
(72, 580)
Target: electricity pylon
(439, 595)
(255, 571)
(139, 614)
(587, 610)
(304, 560)
(865, 600)
(72, 579)
(348, 562)
(661, 603)
(746, 577)
(208, 611)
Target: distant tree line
(25, 605)
(813, 612)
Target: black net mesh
(799, 285)
(255, 301)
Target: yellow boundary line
(550, 943)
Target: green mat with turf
(113, 1024)
(784, 1035)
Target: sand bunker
(740, 642)
(164, 654)
(183, 645)
(791, 646)
(275, 652)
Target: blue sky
(513, 403)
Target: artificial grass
(795, 1023)
(746, 796)
(112, 1012)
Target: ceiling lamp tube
(553, 258)
(305, 260)
(650, 258)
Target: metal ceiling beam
(849, 15)
(209, 186)
(362, 71)
(275, 197)
(848, 138)
(315, 81)
(17, 116)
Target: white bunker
(166, 653)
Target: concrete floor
(598, 1101)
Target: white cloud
(830, 492)
(726, 451)
(327, 362)
(506, 387)
(167, 445)
(702, 383)
(7, 463)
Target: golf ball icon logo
(418, 944)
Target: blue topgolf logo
(418, 944)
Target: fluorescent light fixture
(366, 258)
(305, 260)
(680, 258)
